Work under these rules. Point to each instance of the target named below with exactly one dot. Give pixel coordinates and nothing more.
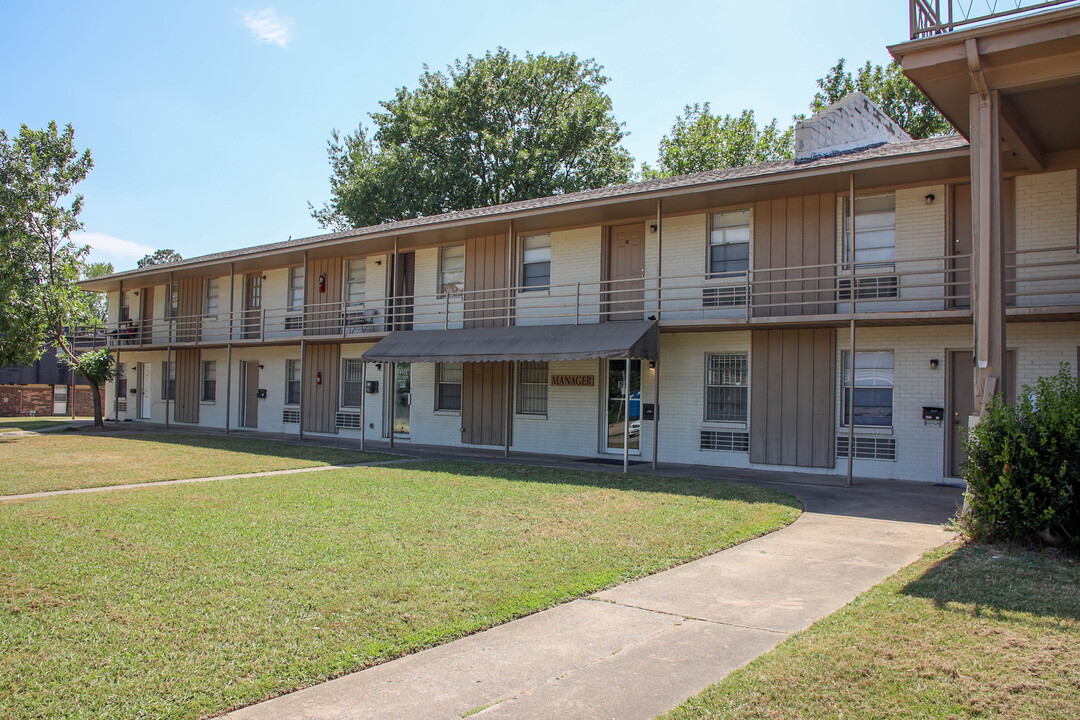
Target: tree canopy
(39, 264)
(890, 90)
(159, 257)
(491, 129)
(700, 140)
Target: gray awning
(626, 339)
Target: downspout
(659, 310)
(119, 367)
(228, 362)
(851, 334)
(303, 372)
(168, 367)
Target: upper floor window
(292, 382)
(729, 243)
(535, 262)
(296, 289)
(452, 269)
(210, 306)
(125, 306)
(172, 301)
(875, 230)
(448, 383)
(209, 381)
(726, 388)
(873, 401)
(355, 281)
(532, 388)
(352, 383)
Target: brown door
(961, 394)
(486, 280)
(624, 294)
(958, 291)
(249, 395)
(483, 403)
(146, 314)
(404, 287)
(252, 321)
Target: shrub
(1023, 466)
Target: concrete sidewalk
(639, 649)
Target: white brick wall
(1046, 207)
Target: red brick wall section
(19, 400)
(16, 400)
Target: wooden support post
(168, 366)
(228, 382)
(988, 253)
(656, 413)
(509, 423)
(393, 374)
(363, 402)
(851, 333)
(659, 256)
(626, 418)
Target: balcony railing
(916, 287)
(933, 17)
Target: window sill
(206, 402)
(866, 430)
(531, 416)
(723, 425)
(448, 413)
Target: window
(726, 388)
(168, 380)
(448, 382)
(729, 243)
(209, 381)
(125, 306)
(452, 269)
(121, 387)
(875, 230)
(296, 289)
(535, 262)
(873, 388)
(532, 390)
(292, 382)
(355, 281)
(210, 307)
(172, 301)
(352, 386)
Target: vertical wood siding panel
(759, 398)
(775, 401)
(789, 396)
(824, 394)
(793, 251)
(762, 250)
(805, 368)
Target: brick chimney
(852, 123)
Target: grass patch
(967, 632)
(12, 424)
(179, 601)
(76, 460)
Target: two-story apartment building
(752, 317)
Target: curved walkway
(641, 648)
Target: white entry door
(144, 391)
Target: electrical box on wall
(648, 411)
(933, 414)
(372, 387)
(261, 393)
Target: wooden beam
(1020, 139)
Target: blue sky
(208, 121)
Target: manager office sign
(573, 381)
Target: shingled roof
(703, 180)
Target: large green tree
(890, 89)
(159, 257)
(489, 130)
(39, 264)
(701, 140)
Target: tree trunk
(95, 392)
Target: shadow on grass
(1006, 584)
(252, 446)
(691, 487)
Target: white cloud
(269, 27)
(108, 248)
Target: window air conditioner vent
(867, 447)
(725, 440)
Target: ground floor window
(168, 380)
(121, 386)
(726, 388)
(292, 382)
(448, 386)
(209, 380)
(873, 389)
(352, 385)
(532, 388)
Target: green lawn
(11, 424)
(966, 632)
(80, 460)
(185, 600)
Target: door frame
(143, 390)
(1010, 396)
(245, 379)
(605, 373)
